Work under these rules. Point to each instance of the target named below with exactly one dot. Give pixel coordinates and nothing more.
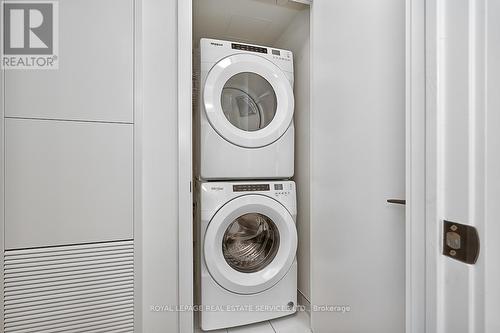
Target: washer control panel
(215, 194)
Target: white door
(357, 163)
(464, 56)
(250, 244)
(248, 100)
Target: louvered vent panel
(78, 288)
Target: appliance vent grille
(75, 288)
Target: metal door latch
(460, 242)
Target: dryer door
(250, 244)
(248, 100)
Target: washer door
(248, 100)
(250, 244)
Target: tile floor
(297, 323)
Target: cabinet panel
(67, 182)
(95, 76)
(78, 288)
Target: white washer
(247, 241)
(245, 116)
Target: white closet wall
(296, 38)
(258, 22)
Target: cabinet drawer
(96, 67)
(67, 182)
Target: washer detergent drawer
(67, 182)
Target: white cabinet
(95, 76)
(70, 179)
(67, 182)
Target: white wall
(160, 172)
(296, 38)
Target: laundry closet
(348, 154)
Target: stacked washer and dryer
(246, 238)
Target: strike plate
(460, 242)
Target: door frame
(185, 281)
(415, 166)
(423, 233)
(435, 303)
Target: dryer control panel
(283, 189)
(214, 50)
(277, 189)
(251, 187)
(250, 48)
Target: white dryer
(245, 115)
(246, 241)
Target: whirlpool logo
(30, 37)
(217, 188)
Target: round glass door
(250, 242)
(248, 101)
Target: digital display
(278, 187)
(250, 187)
(276, 52)
(250, 48)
